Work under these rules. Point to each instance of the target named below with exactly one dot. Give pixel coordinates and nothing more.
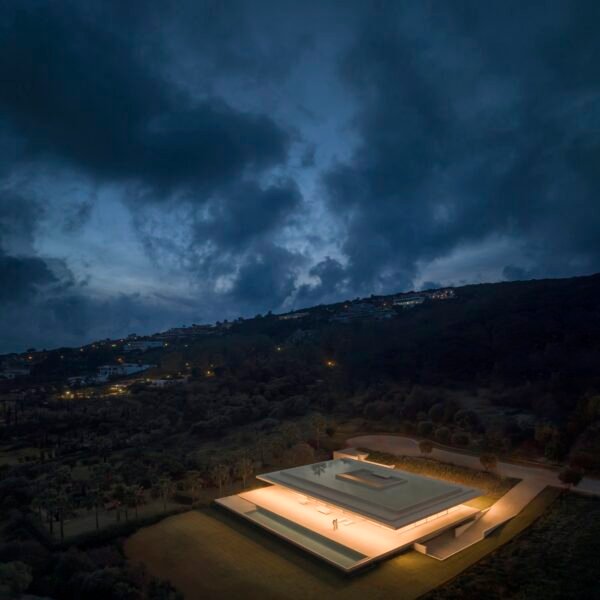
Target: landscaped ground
(211, 554)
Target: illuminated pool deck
(379, 511)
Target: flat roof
(391, 497)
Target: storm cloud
(169, 164)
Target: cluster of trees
(97, 574)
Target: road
(400, 445)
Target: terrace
(351, 513)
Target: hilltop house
(351, 512)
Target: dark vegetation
(507, 369)
(554, 559)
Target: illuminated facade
(351, 512)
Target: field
(211, 554)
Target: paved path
(400, 445)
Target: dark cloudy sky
(169, 163)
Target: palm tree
(94, 499)
(290, 434)
(63, 504)
(165, 486)
(220, 473)
(100, 475)
(49, 502)
(138, 493)
(130, 500)
(244, 469)
(118, 497)
(319, 425)
(264, 447)
(194, 483)
(37, 504)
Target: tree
(100, 476)
(319, 425)
(460, 439)
(221, 474)
(15, 577)
(426, 447)
(466, 419)
(94, 500)
(437, 413)
(488, 461)
(194, 483)
(37, 504)
(290, 434)
(165, 487)
(49, 501)
(302, 454)
(118, 497)
(425, 428)
(570, 476)
(442, 435)
(244, 469)
(264, 446)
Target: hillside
(506, 366)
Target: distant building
(363, 310)
(142, 345)
(292, 315)
(160, 383)
(183, 332)
(14, 372)
(442, 294)
(80, 380)
(356, 310)
(106, 372)
(409, 301)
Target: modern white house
(106, 372)
(409, 301)
(351, 512)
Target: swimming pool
(339, 555)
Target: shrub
(425, 447)
(442, 435)
(570, 476)
(488, 461)
(425, 428)
(436, 412)
(460, 439)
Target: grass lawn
(211, 554)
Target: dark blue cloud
(80, 91)
(473, 138)
(472, 126)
